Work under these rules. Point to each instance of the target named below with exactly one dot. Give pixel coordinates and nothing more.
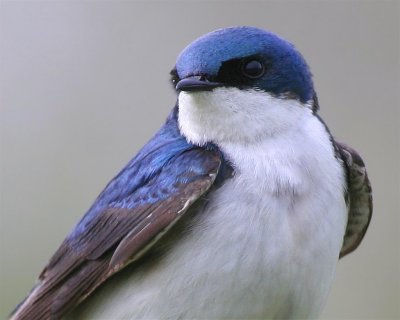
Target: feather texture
(136, 208)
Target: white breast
(269, 240)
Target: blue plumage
(151, 176)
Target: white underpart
(268, 244)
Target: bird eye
(253, 69)
(174, 77)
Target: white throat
(277, 142)
(229, 115)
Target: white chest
(275, 230)
(273, 233)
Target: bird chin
(231, 115)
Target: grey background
(85, 84)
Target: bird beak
(196, 83)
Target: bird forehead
(206, 54)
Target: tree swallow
(238, 208)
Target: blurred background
(85, 84)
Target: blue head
(246, 57)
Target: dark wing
(136, 208)
(358, 197)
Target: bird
(239, 207)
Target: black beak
(196, 83)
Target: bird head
(240, 84)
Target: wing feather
(359, 198)
(137, 207)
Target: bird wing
(358, 198)
(135, 209)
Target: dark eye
(253, 69)
(174, 76)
